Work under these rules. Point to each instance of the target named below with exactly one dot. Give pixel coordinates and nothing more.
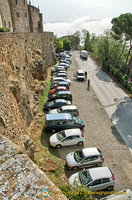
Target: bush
(76, 192)
(4, 29)
(117, 74)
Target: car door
(67, 141)
(105, 182)
(89, 161)
(95, 185)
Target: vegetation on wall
(4, 29)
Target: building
(20, 16)
(35, 19)
(5, 15)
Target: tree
(66, 44)
(122, 27)
(58, 44)
(75, 41)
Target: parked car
(95, 179)
(61, 83)
(55, 104)
(121, 195)
(66, 66)
(66, 109)
(80, 76)
(61, 121)
(63, 75)
(60, 79)
(58, 72)
(69, 60)
(84, 158)
(64, 61)
(66, 138)
(60, 95)
(58, 88)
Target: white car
(66, 109)
(95, 179)
(66, 138)
(121, 195)
(60, 79)
(84, 158)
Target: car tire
(99, 164)
(110, 188)
(80, 143)
(74, 168)
(58, 146)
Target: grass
(41, 139)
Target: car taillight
(82, 135)
(113, 178)
(102, 158)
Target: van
(80, 76)
(83, 54)
(61, 121)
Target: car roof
(68, 107)
(100, 172)
(73, 131)
(59, 116)
(63, 82)
(61, 74)
(57, 78)
(60, 100)
(80, 71)
(64, 92)
(121, 195)
(61, 87)
(90, 151)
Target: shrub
(76, 192)
(117, 74)
(4, 29)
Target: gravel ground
(99, 132)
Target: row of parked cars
(67, 127)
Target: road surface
(116, 102)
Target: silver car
(121, 195)
(95, 179)
(66, 109)
(84, 158)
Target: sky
(65, 17)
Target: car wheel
(58, 146)
(110, 188)
(74, 168)
(99, 164)
(80, 143)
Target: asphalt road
(116, 102)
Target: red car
(59, 88)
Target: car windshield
(80, 74)
(75, 119)
(85, 177)
(61, 135)
(78, 155)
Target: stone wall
(24, 59)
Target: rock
(48, 165)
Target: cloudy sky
(66, 16)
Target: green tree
(75, 40)
(66, 44)
(58, 44)
(122, 27)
